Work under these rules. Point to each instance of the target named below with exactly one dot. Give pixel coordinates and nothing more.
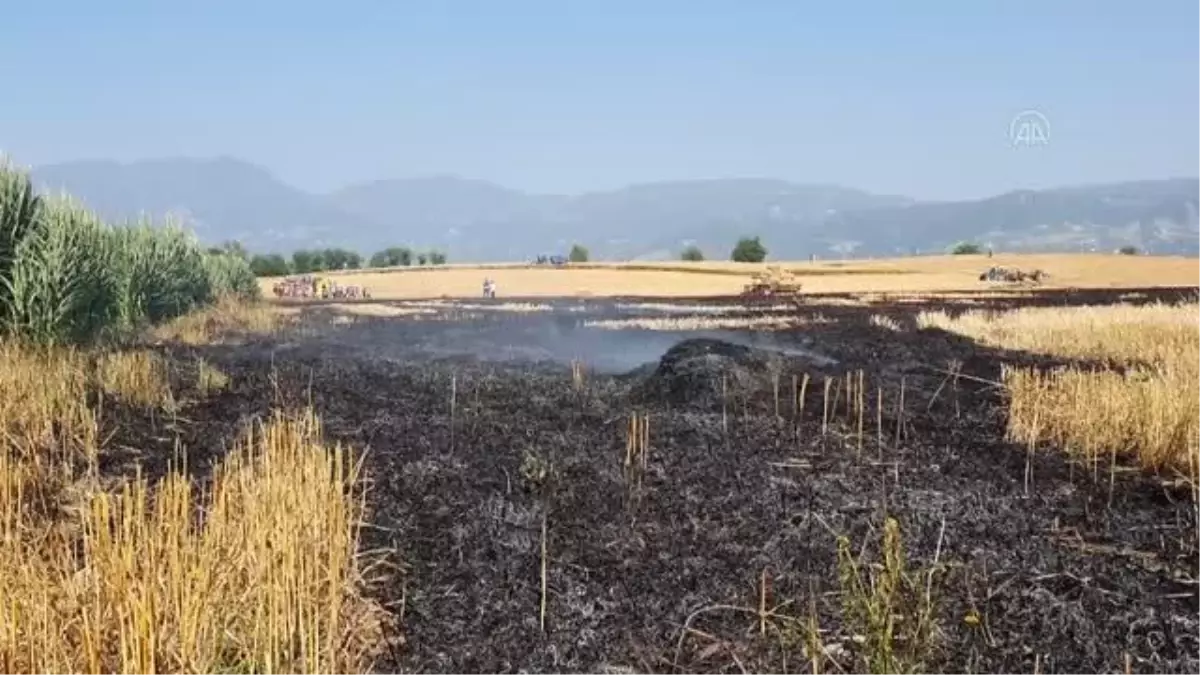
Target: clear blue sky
(904, 96)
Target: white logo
(1029, 128)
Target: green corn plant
(66, 277)
(230, 275)
(19, 210)
(61, 287)
(162, 273)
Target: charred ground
(476, 434)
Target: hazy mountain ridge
(472, 219)
(1159, 215)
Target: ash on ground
(700, 373)
(1036, 563)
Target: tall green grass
(66, 277)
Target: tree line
(309, 261)
(747, 249)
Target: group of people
(489, 288)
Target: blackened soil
(1040, 564)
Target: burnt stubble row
(529, 530)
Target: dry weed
(209, 379)
(667, 308)
(138, 377)
(883, 321)
(702, 323)
(43, 414)
(229, 316)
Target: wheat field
(928, 274)
(257, 572)
(1135, 394)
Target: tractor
(552, 260)
(775, 282)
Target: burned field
(839, 495)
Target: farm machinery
(1013, 275)
(552, 260)
(310, 286)
(775, 282)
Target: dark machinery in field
(554, 260)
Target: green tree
(422, 258)
(1128, 250)
(578, 254)
(692, 254)
(232, 248)
(966, 248)
(269, 265)
(749, 250)
(395, 256)
(333, 258)
(340, 259)
(437, 258)
(306, 262)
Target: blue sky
(912, 97)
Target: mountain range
(226, 199)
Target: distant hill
(1159, 216)
(472, 220)
(220, 198)
(485, 221)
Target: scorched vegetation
(192, 480)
